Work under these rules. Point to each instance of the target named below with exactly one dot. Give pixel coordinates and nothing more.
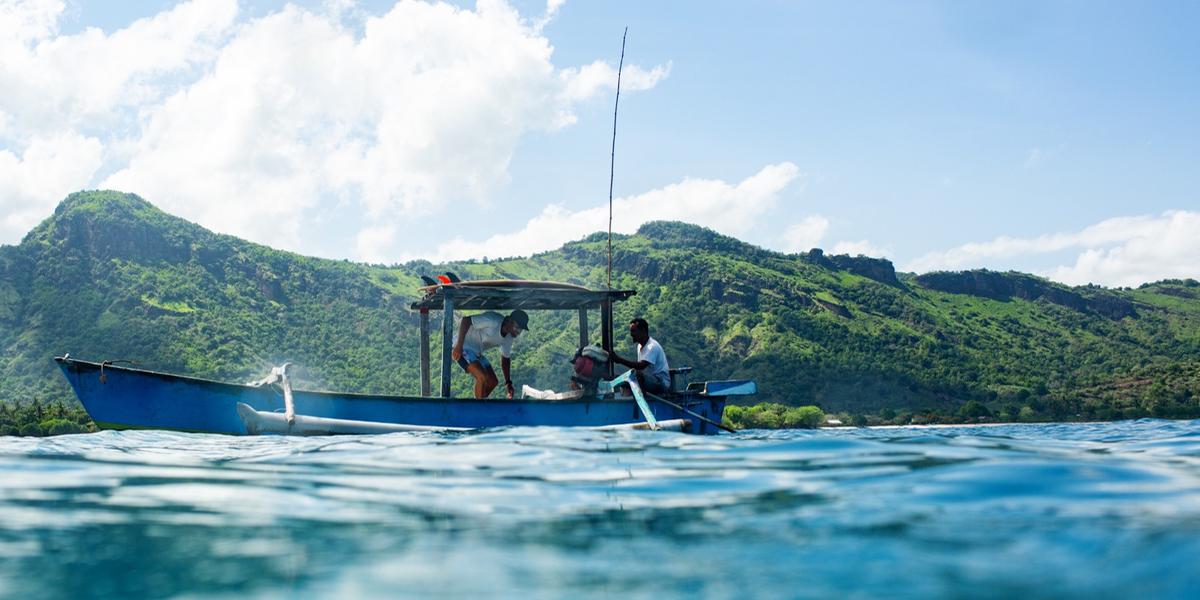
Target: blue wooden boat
(124, 397)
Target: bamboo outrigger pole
(613, 157)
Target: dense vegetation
(109, 276)
(769, 415)
(36, 419)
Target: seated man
(482, 332)
(653, 374)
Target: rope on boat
(103, 363)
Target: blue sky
(1055, 137)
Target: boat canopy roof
(512, 294)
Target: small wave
(1042, 510)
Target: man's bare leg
(490, 383)
(485, 379)
(480, 374)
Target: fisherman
(482, 332)
(653, 374)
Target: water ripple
(1056, 510)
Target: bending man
(653, 374)
(482, 332)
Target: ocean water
(1017, 511)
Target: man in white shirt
(653, 374)
(483, 332)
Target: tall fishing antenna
(613, 158)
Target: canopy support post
(606, 331)
(447, 341)
(425, 385)
(583, 328)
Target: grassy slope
(109, 276)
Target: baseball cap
(520, 318)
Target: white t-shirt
(653, 353)
(485, 334)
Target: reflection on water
(1081, 510)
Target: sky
(1058, 138)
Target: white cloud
(91, 80)
(729, 209)
(24, 21)
(1117, 252)
(372, 243)
(855, 248)
(33, 183)
(805, 234)
(1169, 248)
(552, 8)
(587, 81)
(264, 127)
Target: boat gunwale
(349, 395)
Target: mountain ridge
(109, 275)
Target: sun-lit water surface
(1062, 510)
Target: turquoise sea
(1091, 511)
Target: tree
(804, 417)
(62, 427)
(974, 409)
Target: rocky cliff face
(1006, 286)
(102, 225)
(878, 269)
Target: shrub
(1011, 412)
(773, 416)
(974, 409)
(62, 427)
(804, 417)
(734, 416)
(32, 430)
(766, 419)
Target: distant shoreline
(945, 425)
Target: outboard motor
(589, 362)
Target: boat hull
(127, 398)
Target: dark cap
(520, 318)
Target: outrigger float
(124, 397)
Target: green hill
(109, 276)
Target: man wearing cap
(484, 331)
